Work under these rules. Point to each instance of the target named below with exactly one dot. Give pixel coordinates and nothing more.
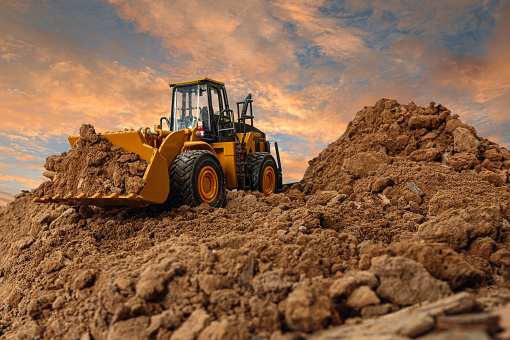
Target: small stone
(85, 279)
(501, 257)
(372, 311)
(307, 309)
(272, 285)
(346, 285)
(361, 297)
(88, 133)
(192, 327)
(464, 141)
(58, 303)
(406, 282)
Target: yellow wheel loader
(195, 154)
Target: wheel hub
(268, 180)
(207, 184)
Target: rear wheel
(196, 177)
(264, 170)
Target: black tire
(265, 172)
(186, 171)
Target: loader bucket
(157, 184)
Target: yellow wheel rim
(207, 184)
(268, 180)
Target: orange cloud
(26, 182)
(5, 198)
(275, 50)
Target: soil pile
(386, 130)
(93, 165)
(385, 245)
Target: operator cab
(204, 100)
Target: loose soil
(93, 165)
(408, 206)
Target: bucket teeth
(98, 199)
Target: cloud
(27, 182)
(5, 198)
(11, 152)
(310, 65)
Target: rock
(54, 262)
(153, 279)
(426, 155)
(361, 297)
(321, 198)
(272, 285)
(168, 319)
(373, 311)
(225, 299)
(130, 329)
(88, 133)
(209, 283)
(493, 155)
(265, 314)
(152, 282)
(294, 194)
(307, 309)
(504, 321)
(36, 306)
(85, 279)
(361, 164)
(501, 257)
(482, 321)
(482, 247)
(464, 141)
(18, 246)
(246, 276)
(415, 189)
(277, 199)
(371, 249)
(134, 184)
(452, 125)
(457, 335)
(440, 261)
(493, 178)
(344, 286)
(407, 322)
(457, 227)
(192, 327)
(463, 161)
(423, 121)
(405, 282)
(381, 183)
(226, 329)
(59, 303)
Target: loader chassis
(195, 153)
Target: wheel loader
(195, 154)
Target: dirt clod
(93, 165)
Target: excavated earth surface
(399, 229)
(93, 165)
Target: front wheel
(264, 171)
(196, 177)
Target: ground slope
(408, 207)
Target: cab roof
(198, 81)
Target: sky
(310, 66)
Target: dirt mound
(93, 165)
(384, 234)
(387, 130)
